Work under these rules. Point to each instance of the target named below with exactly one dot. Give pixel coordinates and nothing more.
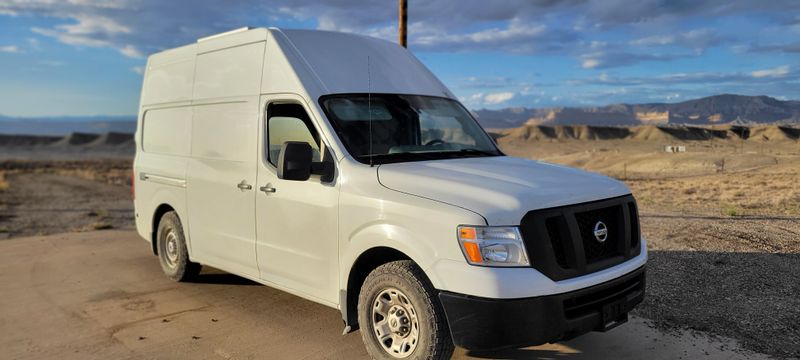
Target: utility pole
(403, 19)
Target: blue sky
(83, 57)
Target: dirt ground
(102, 295)
(46, 197)
(722, 222)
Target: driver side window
(289, 122)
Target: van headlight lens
(492, 245)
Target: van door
(221, 184)
(296, 221)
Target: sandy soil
(113, 302)
(56, 197)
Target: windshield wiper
(427, 155)
(478, 152)
(400, 157)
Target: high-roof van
(338, 168)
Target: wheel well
(365, 263)
(160, 211)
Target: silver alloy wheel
(394, 323)
(171, 249)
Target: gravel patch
(751, 297)
(729, 276)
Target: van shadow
(521, 354)
(211, 276)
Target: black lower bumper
(488, 324)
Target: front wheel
(400, 316)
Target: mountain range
(63, 125)
(718, 109)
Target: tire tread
(442, 346)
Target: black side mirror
(294, 161)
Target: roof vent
(234, 31)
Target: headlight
(492, 245)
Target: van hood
(502, 189)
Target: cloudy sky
(84, 57)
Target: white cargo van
(338, 168)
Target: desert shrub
(3, 183)
(731, 210)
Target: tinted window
(289, 122)
(383, 128)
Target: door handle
(244, 185)
(268, 189)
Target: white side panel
(169, 76)
(230, 72)
(223, 131)
(166, 131)
(222, 215)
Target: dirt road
(101, 295)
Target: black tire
(433, 337)
(176, 263)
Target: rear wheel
(400, 316)
(172, 253)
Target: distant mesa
(73, 140)
(61, 126)
(712, 110)
(650, 133)
(76, 139)
(27, 140)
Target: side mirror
(294, 161)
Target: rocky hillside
(719, 109)
(60, 126)
(650, 133)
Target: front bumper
(486, 324)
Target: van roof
(324, 62)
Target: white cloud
(590, 63)
(497, 98)
(698, 40)
(130, 51)
(779, 71)
(51, 63)
(11, 49)
(138, 69)
(654, 40)
(34, 44)
(71, 39)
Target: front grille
(554, 231)
(634, 216)
(562, 244)
(593, 249)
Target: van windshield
(405, 128)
